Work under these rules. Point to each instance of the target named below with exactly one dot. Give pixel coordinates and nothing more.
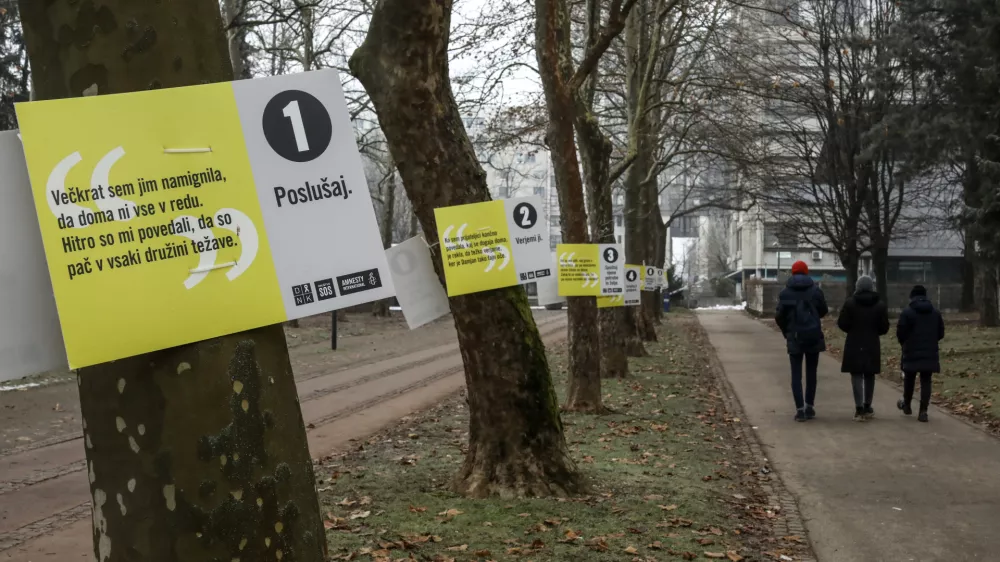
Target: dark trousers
(863, 386)
(910, 381)
(812, 363)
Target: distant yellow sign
(590, 270)
(493, 244)
(611, 302)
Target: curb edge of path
(791, 521)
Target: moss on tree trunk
(196, 453)
(516, 443)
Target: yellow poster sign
(493, 244)
(178, 215)
(611, 302)
(590, 270)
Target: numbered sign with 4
(590, 270)
(177, 215)
(493, 244)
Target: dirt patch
(669, 478)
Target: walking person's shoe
(923, 416)
(869, 412)
(905, 407)
(800, 415)
(859, 414)
(810, 412)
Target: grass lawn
(668, 477)
(969, 384)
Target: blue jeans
(812, 363)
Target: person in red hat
(801, 307)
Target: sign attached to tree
(649, 279)
(29, 325)
(177, 215)
(418, 288)
(633, 282)
(591, 270)
(493, 244)
(661, 278)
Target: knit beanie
(800, 268)
(918, 291)
(864, 283)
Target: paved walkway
(890, 490)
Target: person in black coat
(919, 331)
(864, 318)
(801, 305)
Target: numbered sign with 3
(493, 244)
(591, 270)
(177, 215)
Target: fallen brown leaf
(631, 550)
(459, 548)
(717, 555)
(417, 509)
(733, 556)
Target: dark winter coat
(920, 329)
(864, 318)
(798, 288)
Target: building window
(540, 191)
(619, 220)
(780, 235)
(530, 158)
(619, 238)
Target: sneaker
(904, 407)
(922, 417)
(869, 413)
(859, 414)
(810, 412)
(800, 415)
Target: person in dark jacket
(920, 331)
(801, 306)
(864, 318)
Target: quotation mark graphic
(567, 260)
(490, 253)
(591, 279)
(228, 219)
(460, 237)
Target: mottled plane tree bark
(516, 443)
(196, 453)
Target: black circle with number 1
(525, 215)
(611, 255)
(297, 126)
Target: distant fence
(762, 296)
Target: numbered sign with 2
(177, 215)
(493, 244)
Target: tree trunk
(968, 274)
(595, 151)
(989, 308)
(552, 46)
(236, 37)
(235, 480)
(516, 443)
(381, 308)
(850, 262)
(880, 264)
(414, 224)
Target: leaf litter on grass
(666, 474)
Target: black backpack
(806, 326)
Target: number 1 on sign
(292, 112)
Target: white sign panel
(548, 291)
(300, 141)
(418, 288)
(661, 278)
(30, 340)
(650, 279)
(633, 282)
(612, 269)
